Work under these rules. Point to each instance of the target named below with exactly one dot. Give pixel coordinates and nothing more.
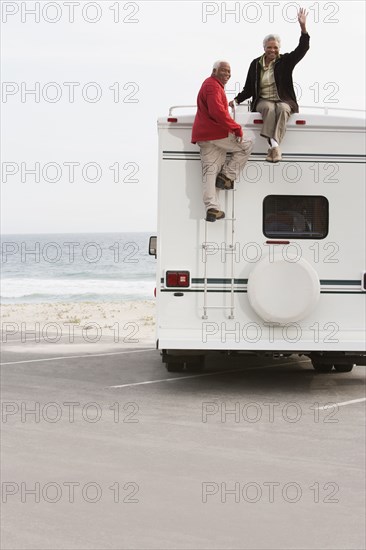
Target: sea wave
(56, 290)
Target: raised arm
(301, 17)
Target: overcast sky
(103, 72)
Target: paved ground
(103, 449)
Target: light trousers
(275, 115)
(213, 159)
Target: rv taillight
(177, 278)
(301, 122)
(364, 281)
(257, 121)
(172, 119)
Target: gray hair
(271, 37)
(218, 63)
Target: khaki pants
(213, 158)
(275, 115)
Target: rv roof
(330, 117)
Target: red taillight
(172, 119)
(155, 292)
(177, 278)
(301, 122)
(257, 121)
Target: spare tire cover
(281, 291)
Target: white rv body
(262, 281)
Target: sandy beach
(128, 322)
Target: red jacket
(212, 119)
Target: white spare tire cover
(280, 291)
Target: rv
(284, 272)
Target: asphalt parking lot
(102, 448)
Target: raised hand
(301, 17)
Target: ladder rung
(217, 307)
(223, 220)
(227, 249)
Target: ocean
(76, 268)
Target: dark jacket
(284, 65)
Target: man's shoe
(212, 215)
(276, 154)
(269, 157)
(223, 182)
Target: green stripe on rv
(323, 282)
(319, 155)
(228, 291)
(258, 156)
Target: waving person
(269, 84)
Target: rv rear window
(295, 216)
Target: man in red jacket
(217, 133)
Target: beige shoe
(213, 215)
(269, 155)
(276, 154)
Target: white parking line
(341, 404)
(201, 375)
(29, 340)
(76, 356)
